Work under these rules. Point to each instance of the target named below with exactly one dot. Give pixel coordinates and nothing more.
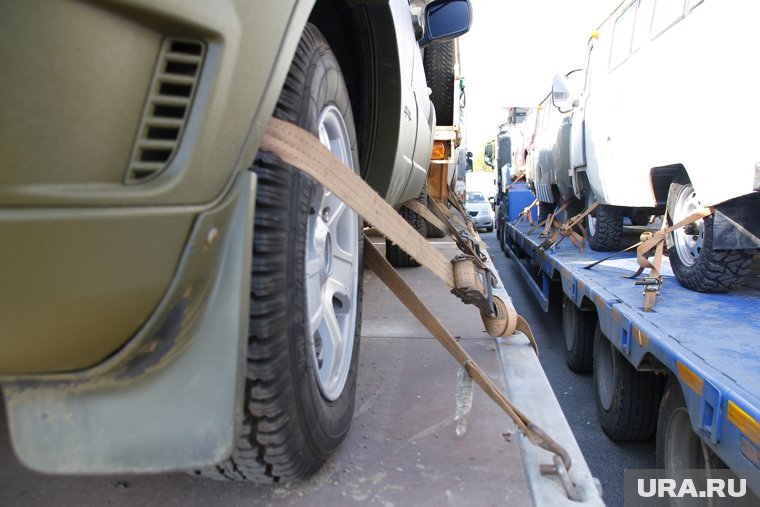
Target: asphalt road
(606, 459)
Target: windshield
(475, 197)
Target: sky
(513, 50)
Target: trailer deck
(710, 341)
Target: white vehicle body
(548, 167)
(659, 76)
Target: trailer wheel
(579, 328)
(438, 62)
(678, 447)
(626, 400)
(397, 257)
(306, 292)
(604, 226)
(696, 264)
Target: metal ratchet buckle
(473, 296)
(651, 284)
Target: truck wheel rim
(332, 269)
(591, 217)
(605, 375)
(683, 449)
(688, 240)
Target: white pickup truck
(666, 122)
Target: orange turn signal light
(439, 150)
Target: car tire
(294, 413)
(438, 62)
(627, 400)
(677, 446)
(395, 255)
(578, 328)
(431, 230)
(604, 226)
(696, 264)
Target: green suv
(170, 296)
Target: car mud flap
(300, 149)
(181, 415)
(737, 223)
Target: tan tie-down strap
(563, 231)
(468, 276)
(299, 148)
(428, 215)
(526, 214)
(562, 461)
(653, 282)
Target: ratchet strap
(468, 277)
(526, 214)
(567, 231)
(653, 283)
(562, 461)
(302, 150)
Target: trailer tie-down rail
(469, 278)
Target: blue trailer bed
(709, 342)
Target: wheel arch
(587, 305)
(661, 178)
(365, 41)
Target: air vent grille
(167, 108)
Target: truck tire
(626, 400)
(696, 264)
(678, 447)
(438, 62)
(604, 226)
(306, 292)
(578, 328)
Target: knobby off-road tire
(393, 253)
(293, 417)
(438, 62)
(627, 400)
(604, 226)
(696, 264)
(578, 328)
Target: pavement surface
(402, 450)
(606, 459)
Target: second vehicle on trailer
(657, 72)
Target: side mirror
(561, 97)
(488, 154)
(445, 20)
(493, 203)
